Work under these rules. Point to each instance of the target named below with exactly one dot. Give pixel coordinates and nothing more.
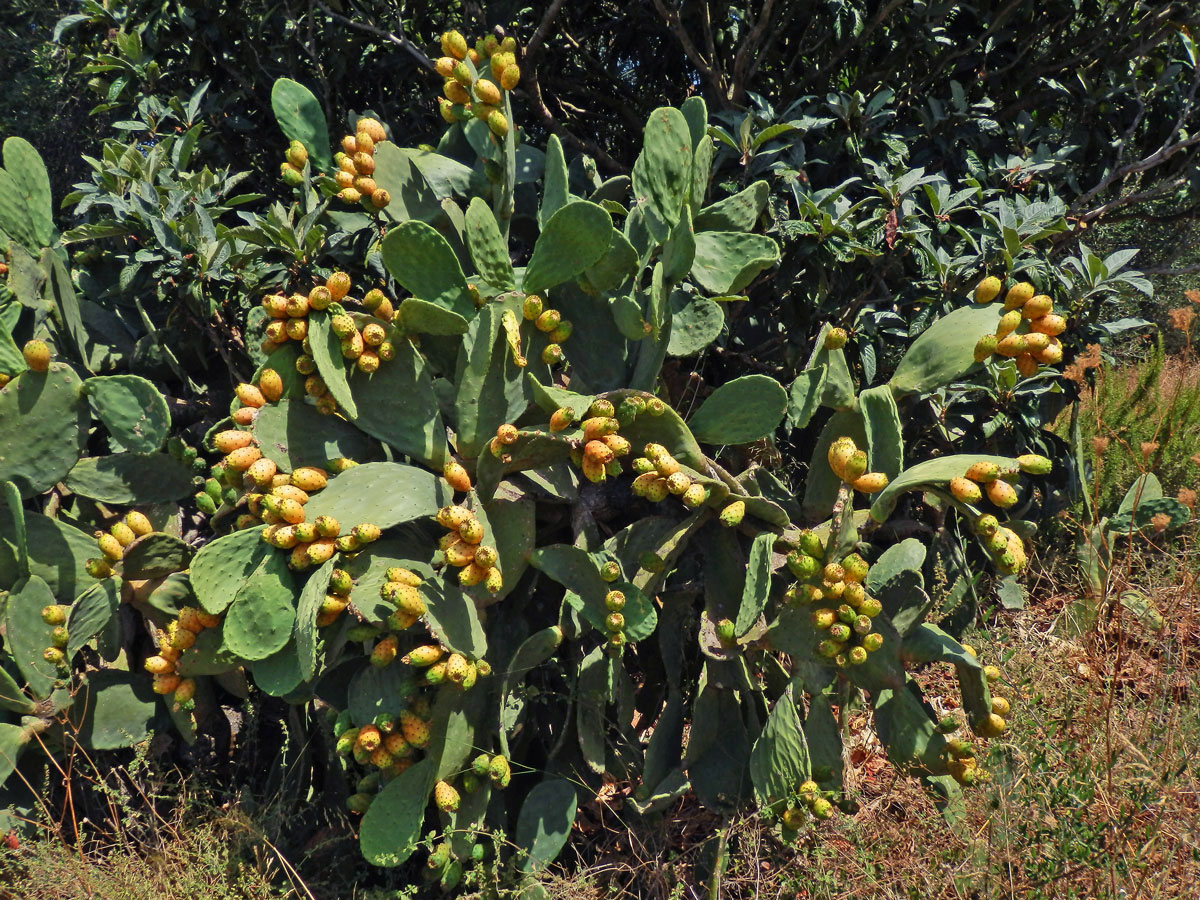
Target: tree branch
(543, 29)
(398, 39)
(710, 70)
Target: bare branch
(709, 69)
(398, 39)
(1168, 270)
(543, 29)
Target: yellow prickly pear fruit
(593, 470)
(446, 109)
(123, 533)
(261, 471)
(835, 339)
(344, 179)
(320, 551)
(459, 553)
(1011, 346)
(456, 668)
(138, 523)
(985, 347)
(362, 144)
(839, 454)
(366, 532)
(338, 284)
(384, 652)
(499, 772)
(1018, 295)
(245, 415)
(456, 476)
(486, 557)
(1033, 464)
(350, 196)
(270, 385)
(531, 308)
(445, 66)
(445, 796)
(166, 684)
(487, 92)
(455, 92)
(855, 466)
(365, 185)
(156, 665)
(1038, 306)
(298, 558)
(1050, 324)
(37, 355)
(1001, 493)
(870, 483)
(694, 496)
(497, 123)
(350, 147)
(309, 479)
(364, 162)
(368, 362)
(423, 656)
(296, 329)
(993, 726)
(453, 517)
(249, 395)
(98, 568)
(510, 76)
(965, 490)
(380, 198)
(403, 576)
(1008, 323)
(109, 546)
(297, 155)
(454, 44)
(986, 290)
(494, 581)
(1000, 706)
(731, 515)
(561, 419)
(983, 471)
(1036, 342)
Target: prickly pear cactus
(458, 504)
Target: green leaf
(132, 410)
(740, 411)
(40, 453)
(727, 261)
(422, 261)
(382, 493)
(619, 263)
(885, 439)
(131, 479)
(544, 823)
(737, 213)
(452, 618)
(331, 365)
(13, 698)
(694, 325)
(24, 165)
(13, 739)
(838, 386)
(301, 118)
(555, 192)
(662, 172)
(570, 243)
(934, 472)
(57, 553)
(945, 351)
(679, 252)
(12, 501)
(392, 826)
(115, 709)
(487, 246)
(779, 762)
(757, 588)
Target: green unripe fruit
(870, 607)
(610, 571)
(857, 656)
(985, 347)
(731, 515)
(615, 622)
(614, 601)
(1032, 464)
(54, 656)
(101, 568)
(725, 632)
(480, 765)
(811, 544)
(948, 725)
(652, 562)
(552, 354)
(823, 618)
(960, 749)
(829, 648)
(439, 857)
(497, 123)
(872, 642)
(839, 632)
(822, 808)
(499, 772)
(986, 525)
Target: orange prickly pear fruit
(156, 665)
(1050, 324)
(965, 490)
(1036, 342)
(986, 290)
(456, 476)
(368, 362)
(1027, 366)
(455, 92)
(1052, 355)
(320, 551)
(1038, 306)
(380, 198)
(166, 684)
(487, 92)
(309, 479)
(1018, 295)
(365, 185)
(453, 516)
(510, 76)
(262, 470)
(1011, 346)
(338, 284)
(249, 395)
(445, 796)
(245, 415)
(445, 66)
(983, 471)
(870, 483)
(1001, 493)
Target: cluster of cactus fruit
(380, 538)
(468, 91)
(1027, 332)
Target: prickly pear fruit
(985, 347)
(731, 515)
(840, 452)
(499, 772)
(37, 355)
(986, 290)
(965, 490)
(725, 632)
(110, 546)
(1001, 493)
(1011, 346)
(1037, 307)
(1018, 295)
(835, 339)
(423, 656)
(249, 395)
(497, 123)
(510, 76)
(870, 483)
(456, 476)
(1033, 464)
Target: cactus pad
(131, 479)
(132, 410)
(742, 410)
(115, 709)
(222, 567)
(382, 493)
(39, 453)
(392, 826)
(155, 555)
(571, 242)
